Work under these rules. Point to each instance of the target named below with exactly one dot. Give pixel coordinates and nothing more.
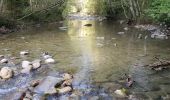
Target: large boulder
(47, 84)
(6, 73)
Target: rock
(67, 83)
(121, 21)
(121, 93)
(63, 28)
(36, 64)
(35, 83)
(46, 55)
(121, 33)
(51, 91)
(64, 90)
(140, 36)
(6, 73)
(24, 53)
(1, 56)
(67, 76)
(26, 99)
(161, 36)
(115, 44)
(100, 45)
(146, 37)
(28, 95)
(49, 60)
(26, 70)
(126, 28)
(47, 84)
(4, 60)
(26, 64)
(100, 38)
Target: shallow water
(96, 55)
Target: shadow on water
(96, 55)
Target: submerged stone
(47, 84)
(6, 73)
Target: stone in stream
(47, 85)
(36, 63)
(1, 56)
(121, 33)
(24, 53)
(4, 60)
(63, 28)
(49, 61)
(26, 70)
(121, 93)
(64, 90)
(26, 64)
(6, 73)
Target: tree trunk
(1, 6)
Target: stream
(96, 56)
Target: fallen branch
(45, 9)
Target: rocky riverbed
(104, 59)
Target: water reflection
(83, 41)
(95, 54)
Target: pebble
(64, 90)
(49, 60)
(26, 64)
(121, 33)
(6, 73)
(26, 70)
(24, 53)
(4, 61)
(120, 93)
(67, 76)
(36, 64)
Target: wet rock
(1, 56)
(67, 83)
(100, 38)
(49, 61)
(28, 95)
(4, 60)
(67, 76)
(36, 63)
(47, 84)
(63, 28)
(121, 21)
(24, 53)
(121, 33)
(26, 64)
(145, 37)
(26, 70)
(100, 45)
(121, 93)
(64, 90)
(159, 36)
(35, 83)
(6, 73)
(126, 28)
(140, 36)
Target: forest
(13, 11)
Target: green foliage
(16, 7)
(159, 10)
(7, 23)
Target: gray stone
(48, 83)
